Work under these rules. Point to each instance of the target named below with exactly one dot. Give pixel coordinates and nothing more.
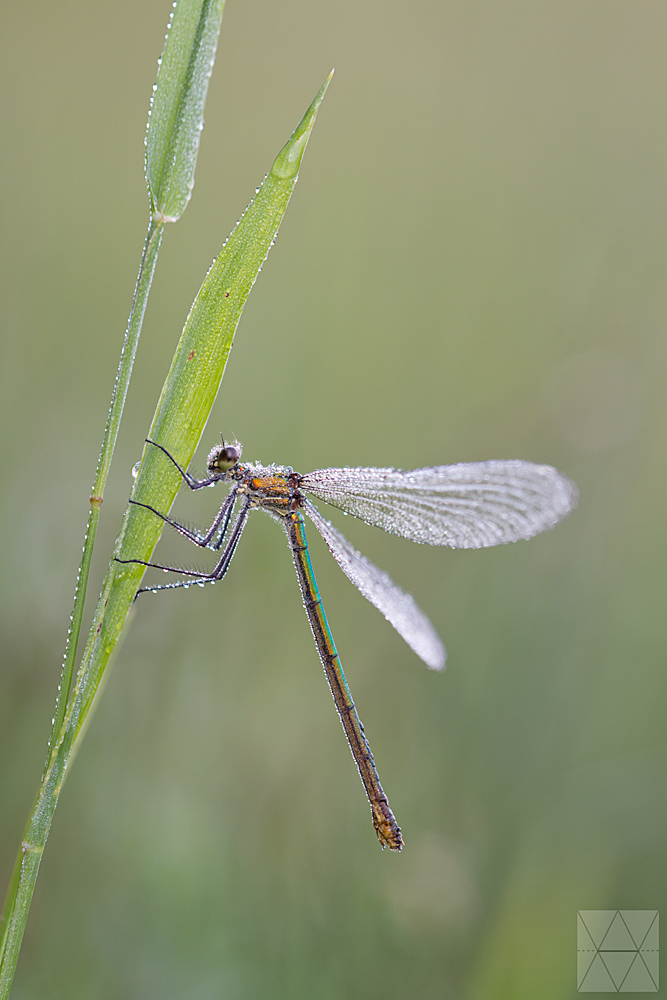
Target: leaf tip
(288, 161)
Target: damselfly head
(224, 457)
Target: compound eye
(224, 457)
(231, 454)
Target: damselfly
(470, 505)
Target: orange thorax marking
(274, 488)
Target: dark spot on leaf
(191, 355)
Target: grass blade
(189, 392)
(183, 408)
(176, 117)
(175, 123)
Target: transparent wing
(398, 607)
(466, 506)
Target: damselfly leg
(213, 538)
(196, 576)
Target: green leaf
(176, 117)
(189, 392)
(185, 403)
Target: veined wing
(465, 506)
(398, 607)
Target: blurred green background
(472, 267)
